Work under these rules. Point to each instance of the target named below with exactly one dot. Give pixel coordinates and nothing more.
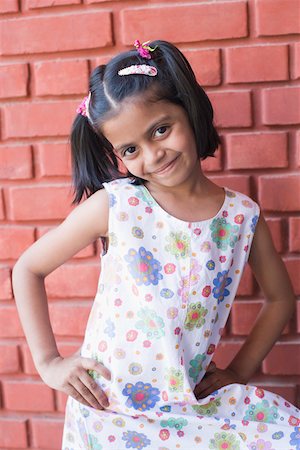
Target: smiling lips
(166, 167)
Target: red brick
(46, 433)
(281, 105)
(5, 283)
(9, 361)
(240, 183)
(25, 203)
(73, 280)
(288, 392)
(213, 163)
(294, 234)
(283, 359)
(27, 395)
(298, 147)
(277, 17)
(15, 162)
(64, 348)
(225, 352)
(256, 150)
(9, 6)
(232, 108)
(13, 433)
(277, 232)
(32, 4)
(9, 322)
(61, 400)
(2, 215)
(298, 315)
(36, 34)
(295, 67)
(243, 316)
(38, 118)
(197, 22)
(69, 319)
(84, 253)
(246, 285)
(293, 268)
(53, 160)
(60, 77)
(280, 193)
(256, 63)
(14, 240)
(206, 64)
(14, 78)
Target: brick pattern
(246, 53)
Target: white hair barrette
(139, 69)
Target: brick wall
(247, 56)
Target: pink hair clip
(83, 108)
(144, 49)
(140, 69)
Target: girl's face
(155, 141)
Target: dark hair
(93, 159)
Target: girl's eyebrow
(148, 131)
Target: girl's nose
(153, 154)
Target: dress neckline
(151, 200)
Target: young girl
(176, 245)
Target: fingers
(75, 393)
(212, 367)
(92, 364)
(93, 391)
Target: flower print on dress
(224, 440)
(262, 412)
(174, 377)
(90, 441)
(141, 396)
(137, 232)
(295, 438)
(151, 323)
(143, 267)
(119, 422)
(174, 423)
(223, 233)
(178, 244)
(135, 368)
(112, 200)
(195, 316)
(221, 282)
(135, 440)
(196, 368)
(110, 329)
(166, 293)
(261, 444)
(254, 223)
(112, 239)
(93, 373)
(208, 409)
(113, 269)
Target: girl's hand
(70, 375)
(215, 379)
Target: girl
(176, 246)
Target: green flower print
(178, 244)
(209, 409)
(262, 412)
(196, 366)
(95, 375)
(175, 379)
(224, 234)
(174, 423)
(195, 316)
(150, 323)
(224, 440)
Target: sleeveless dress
(164, 294)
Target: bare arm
(271, 274)
(84, 225)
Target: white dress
(165, 291)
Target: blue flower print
(143, 267)
(141, 396)
(112, 200)
(253, 224)
(196, 368)
(262, 412)
(295, 438)
(135, 440)
(221, 282)
(110, 329)
(210, 264)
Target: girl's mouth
(167, 167)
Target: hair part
(93, 159)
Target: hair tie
(144, 49)
(83, 108)
(139, 69)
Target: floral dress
(164, 294)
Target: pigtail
(93, 159)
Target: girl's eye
(129, 151)
(161, 130)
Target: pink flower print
(118, 302)
(197, 231)
(148, 209)
(111, 438)
(164, 434)
(147, 344)
(102, 346)
(239, 219)
(222, 259)
(294, 421)
(225, 214)
(169, 268)
(259, 392)
(131, 335)
(206, 291)
(133, 201)
(177, 330)
(148, 298)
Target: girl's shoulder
(238, 201)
